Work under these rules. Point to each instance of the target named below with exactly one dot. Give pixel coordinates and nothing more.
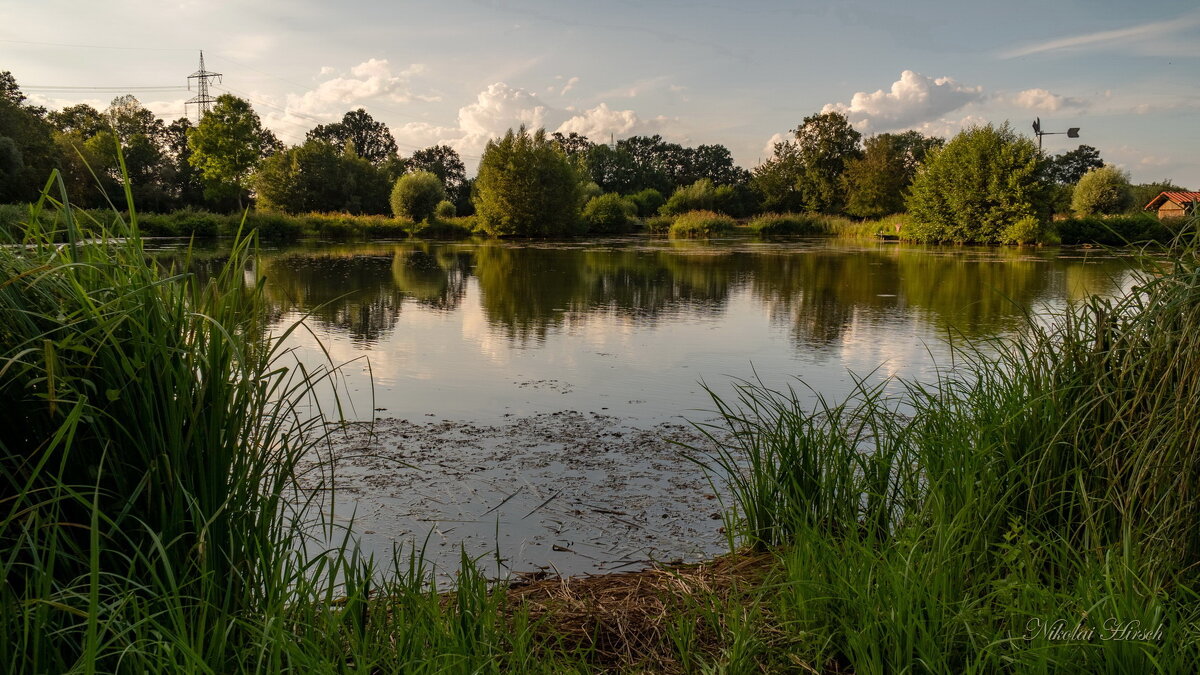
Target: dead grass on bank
(641, 621)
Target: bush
(589, 191)
(1027, 230)
(699, 196)
(416, 195)
(1115, 230)
(193, 223)
(648, 202)
(985, 180)
(787, 223)
(1102, 191)
(526, 187)
(702, 224)
(610, 214)
(659, 224)
(445, 209)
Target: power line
(122, 47)
(202, 100)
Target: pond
(527, 394)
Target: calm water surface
(523, 389)
(481, 330)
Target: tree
(1068, 167)
(30, 150)
(82, 118)
(824, 143)
(875, 183)
(775, 180)
(609, 214)
(416, 196)
(1102, 191)
(574, 145)
(318, 176)
(141, 136)
(227, 145)
(984, 182)
(372, 140)
(180, 177)
(614, 170)
(443, 161)
(526, 187)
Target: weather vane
(1072, 132)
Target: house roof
(1180, 198)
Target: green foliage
(1102, 191)
(699, 196)
(1116, 230)
(444, 210)
(1027, 230)
(416, 196)
(1067, 168)
(659, 224)
(788, 223)
(648, 202)
(1048, 477)
(589, 191)
(1143, 193)
(443, 161)
(317, 176)
(610, 214)
(875, 183)
(985, 180)
(702, 224)
(526, 187)
(227, 146)
(29, 152)
(360, 134)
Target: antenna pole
(202, 100)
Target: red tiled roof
(1177, 197)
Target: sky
(742, 74)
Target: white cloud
(371, 79)
(569, 86)
(1155, 37)
(913, 100)
(1041, 99)
(602, 122)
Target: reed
(1053, 476)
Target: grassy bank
(267, 225)
(149, 511)
(150, 434)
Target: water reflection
(819, 289)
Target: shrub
(1027, 230)
(983, 181)
(659, 224)
(416, 195)
(702, 224)
(445, 209)
(526, 187)
(699, 196)
(589, 191)
(190, 222)
(1114, 230)
(787, 223)
(1102, 191)
(648, 202)
(610, 214)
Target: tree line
(976, 187)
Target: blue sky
(736, 73)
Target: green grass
(702, 224)
(1053, 476)
(150, 439)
